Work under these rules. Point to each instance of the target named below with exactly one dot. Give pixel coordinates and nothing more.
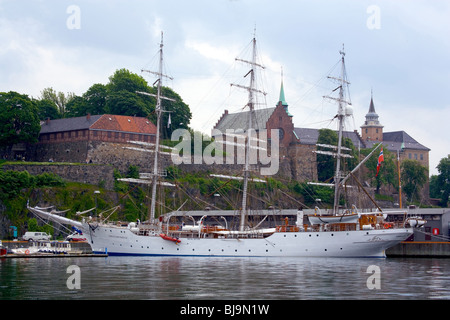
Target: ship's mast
(251, 103)
(158, 110)
(342, 104)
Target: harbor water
(196, 278)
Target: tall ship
(342, 233)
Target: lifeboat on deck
(166, 237)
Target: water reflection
(224, 278)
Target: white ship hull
(116, 240)
(363, 243)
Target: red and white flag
(380, 160)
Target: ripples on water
(193, 278)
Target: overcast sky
(398, 49)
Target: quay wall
(90, 173)
(420, 249)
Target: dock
(50, 255)
(420, 249)
(80, 250)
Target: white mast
(251, 90)
(159, 110)
(341, 116)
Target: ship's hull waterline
(364, 243)
(115, 240)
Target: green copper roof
(283, 100)
(282, 97)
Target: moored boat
(336, 235)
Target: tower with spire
(282, 99)
(372, 130)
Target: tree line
(413, 175)
(20, 115)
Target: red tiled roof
(124, 124)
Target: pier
(420, 249)
(77, 249)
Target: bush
(12, 182)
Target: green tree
(443, 180)
(47, 109)
(180, 114)
(129, 104)
(124, 80)
(387, 175)
(19, 121)
(326, 164)
(58, 98)
(76, 107)
(414, 176)
(96, 97)
(123, 98)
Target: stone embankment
(94, 174)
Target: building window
(415, 156)
(421, 156)
(410, 156)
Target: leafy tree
(76, 107)
(129, 104)
(326, 165)
(414, 176)
(58, 98)
(123, 98)
(180, 114)
(443, 180)
(388, 170)
(124, 80)
(19, 121)
(96, 97)
(47, 109)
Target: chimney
(88, 117)
(47, 122)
